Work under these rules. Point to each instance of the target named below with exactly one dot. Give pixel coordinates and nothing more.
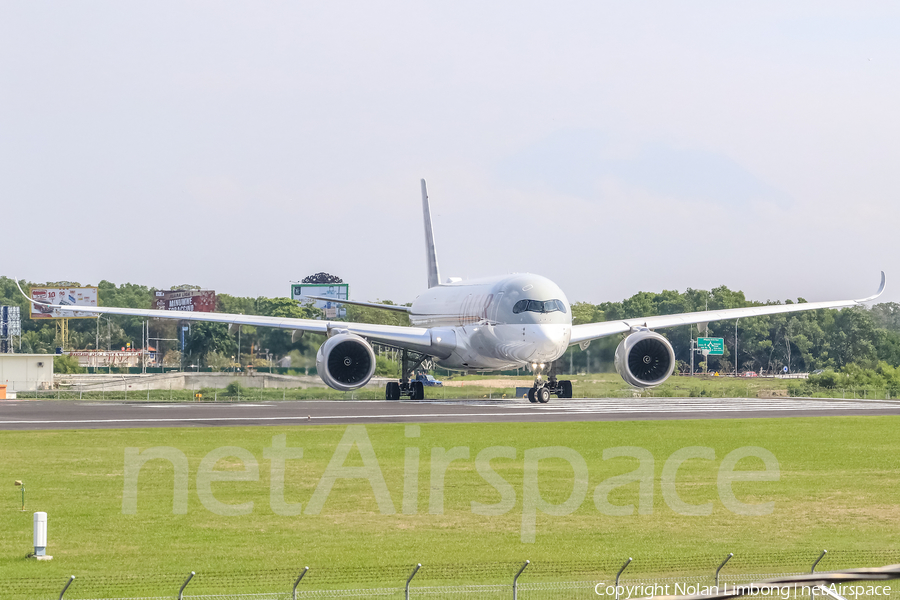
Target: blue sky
(613, 148)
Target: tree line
(206, 344)
(804, 342)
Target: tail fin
(434, 276)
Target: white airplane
(490, 324)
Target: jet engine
(345, 362)
(645, 359)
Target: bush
(206, 394)
(385, 367)
(63, 363)
(216, 361)
(800, 389)
(233, 389)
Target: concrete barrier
(181, 381)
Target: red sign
(187, 300)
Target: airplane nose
(548, 341)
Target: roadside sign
(712, 346)
(66, 296)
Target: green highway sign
(714, 346)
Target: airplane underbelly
(506, 346)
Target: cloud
(578, 161)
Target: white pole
(40, 534)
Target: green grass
(603, 385)
(839, 489)
(593, 385)
(599, 385)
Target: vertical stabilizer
(434, 276)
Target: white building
(26, 372)
(125, 358)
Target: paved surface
(43, 414)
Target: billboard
(333, 308)
(189, 300)
(66, 296)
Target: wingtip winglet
(21, 291)
(879, 292)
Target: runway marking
(667, 405)
(189, 405)
(244, 419)
(611, 406)
(679, 405)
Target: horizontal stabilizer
(359, 303)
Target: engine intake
(645, 359)
(345, 362)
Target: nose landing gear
(542, 390)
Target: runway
(43, 414)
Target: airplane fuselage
(498, 322)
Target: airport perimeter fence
(537, 580)
(138, 392)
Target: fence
(610, 579)
(138, 391)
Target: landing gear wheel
(531, 397)
(565, 389)
(418, 390)
(392, 391)
(542, 395)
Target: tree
(205, 338)
(63, 363)
(377, 316)
(219, 361)
(852, 337)
(584, 312)
(282, 341)
(887, 315)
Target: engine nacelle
(645, 359)
(345, 362)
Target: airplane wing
(592, 331)
(413, 338)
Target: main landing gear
(414, 390)
(542, 390)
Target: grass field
(599, 385)
(838, 488)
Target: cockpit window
(539, 306)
